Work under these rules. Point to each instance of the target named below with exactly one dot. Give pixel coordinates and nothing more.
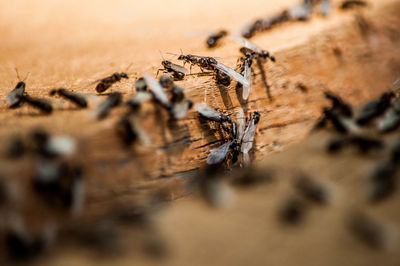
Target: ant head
(124, 75)
(272, 58)
(53, 92)
(212, 61)
(256, 116)
(181, 57)
(20, 84)
(166, 63)
(211, 42)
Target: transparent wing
(248, 137)
(156, 89)
(246, 75)
(218, 154)
(180, 109)
(206, 110)
(241, 123)
(233, 74)
(179, 68)
(246, 43)
(14, 96)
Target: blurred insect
(209, 113)
(114, 99)
(107, 82)
(157, 91)
(250, 29)
(177, 71)
(59, 183)
(76, 98)
(311, 190)
(382, 182)
(15, 97)
(51, 146)
(210, 63)
(248, 137)
(300, 11)
(213, 39)
(338, 104)
(16, 148)
(129, 131)
(349, 4)
(364, 143)
(391, 120)
(367, 230)
(180, 109)
(341, 123)
(140, 84)
(292, 211)
(374, 108)
(136, 100)
(39, 103)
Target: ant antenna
(27, 75)
(161, 55)
(181, 51)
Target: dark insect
(210, 114)
(374, 108)
(59, 184)
(212, 40)
(39, 103)
(391, 120)
(177, 71)
(76, 98)
(251, 48)
(15, 97)
(349, 4)
(367, 230)
(292, 211)
(16, 148)
(113, 100)
(339, 105)
(249, 30)
(342, 124)
(109, 81)
(311, 190)
(210, 63)
(248, 137)
(126, 131)
(364, 143)
(177, 91)
(51, 146)
(222, 78)
(382, 182)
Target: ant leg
(159, 71)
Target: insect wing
(233, 74)
(247, 44)
(246, 75)
(179, 68)
(248, 137)
(180, 109)
(156, 89)
(241, 123)
(218, 154)
(207, 111)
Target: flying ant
(70, 95)
(15, 97)
(41, 104)
(113, 100)
(107, 82)
(212, 40)
(177, 71)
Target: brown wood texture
(73, 43)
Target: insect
(218, 154)
(76, 98)
(180, 109)
(51, 146)
(157, 91)
(367, 230)
(342, 124)
(382, 182)
(248, 137)
(292, 211)
(311, 190)
(209, 113)
(113, 100)
(213, 39)
(210, 63)
(136, 100)
(59, 183)
(338, 104)
(249, 30)
(140, 84)
(374, 108)
(364, 143)
(177, 71)
(41, 104)
(126, 131)
(244, 67)
(107, 82)
(16, 147)
(349, 4)
(15, 97)
(251, 48)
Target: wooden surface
(72, 43)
